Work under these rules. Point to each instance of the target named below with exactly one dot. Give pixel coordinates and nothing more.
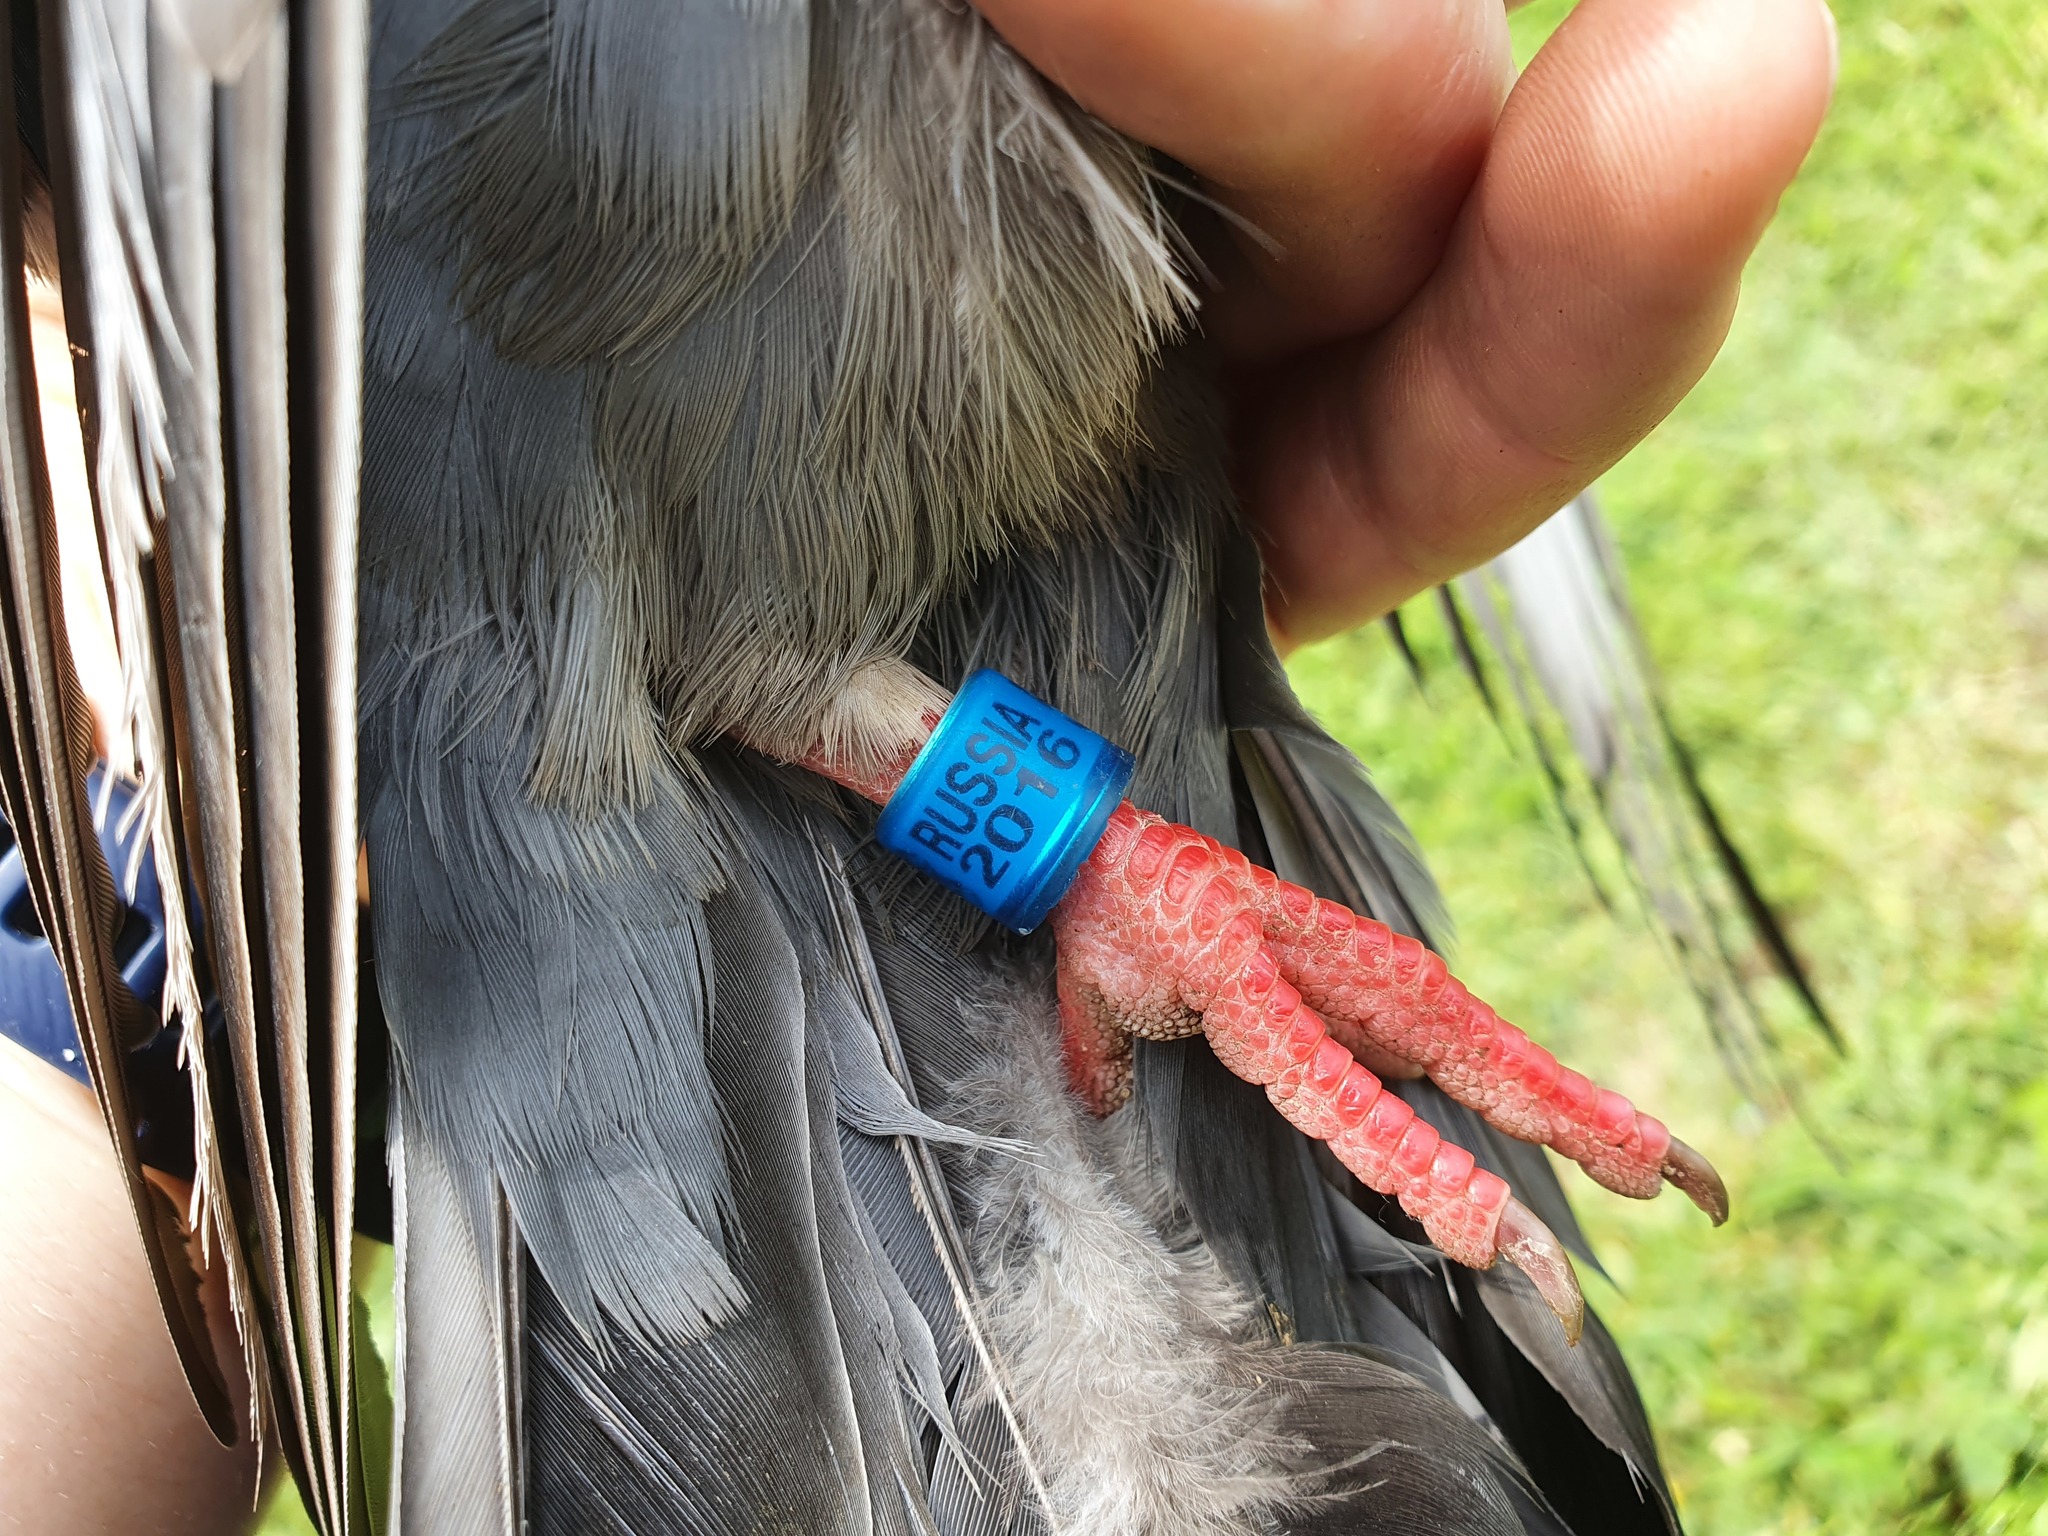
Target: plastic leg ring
(1005, 801)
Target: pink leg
(1400, 997)
(1160, 929)
(1262, 1031)
(1384, 995)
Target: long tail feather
(457, 1464)
(1556, 616)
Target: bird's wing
(204, 169)
(47, 753)
(1553, 613)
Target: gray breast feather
(774, 320)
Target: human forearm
(97, 1430)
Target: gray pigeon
(735, 378)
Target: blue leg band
(1005, 801)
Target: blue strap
(1005, 801)
(35, 1009)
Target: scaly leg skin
(1167, 933)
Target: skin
(98, 1432)
(1467, 296)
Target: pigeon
(589, 454)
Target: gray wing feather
(44, 753)
(251, 148)
(330, 87)
(547, 985)
(195, 537)
(220, 435)
(756, 1410)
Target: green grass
(1840, 546)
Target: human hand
(1473, 293)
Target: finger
(1347, 134)
(1590, 280)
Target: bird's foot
(1167, 933)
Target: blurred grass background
(1839, 544)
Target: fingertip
(1682, 122)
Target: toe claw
(1530, 1246)
(1695, 1175)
